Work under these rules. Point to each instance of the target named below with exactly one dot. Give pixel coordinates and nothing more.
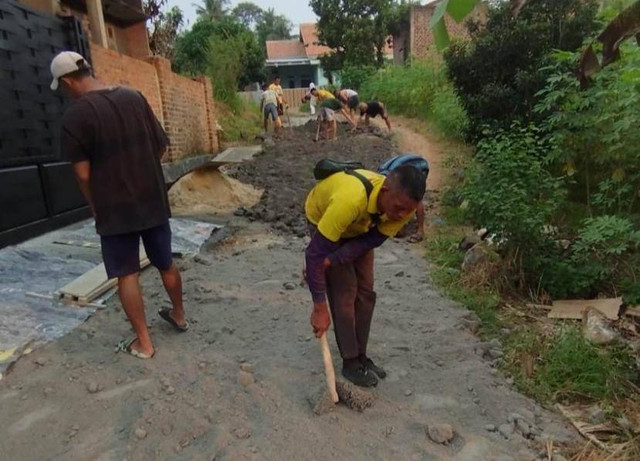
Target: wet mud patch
(285, 170)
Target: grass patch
(563, 365)
(549, 362)
(446, 260)
(240, 122)
(305, 107)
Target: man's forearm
(86, 192)
(82, 172)
(356, 247)
(318, 250)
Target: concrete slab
(238, 154)
(176, 170)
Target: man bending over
(351, 213)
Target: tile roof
(309, 36)
(282, 49)
(306, 47)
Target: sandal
(164, 313)
(125, 346)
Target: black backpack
(327, 167)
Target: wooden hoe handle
(328, 368)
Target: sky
(297, 11)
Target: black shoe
(372, 367)
(360, 376)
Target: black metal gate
(37, 189)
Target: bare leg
(173, 284)
(346, 115)
(420, 214)
(266, 125)
(277, 125)
(335, 129)
(131, 299)
(386, 120)
(318, 131)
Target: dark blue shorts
(121, 252)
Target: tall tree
(248, 13)
(212, 9)
(273, 26)
(162, 27)
(196, 52)
(510, 59)
(355, 29)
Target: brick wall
(137, 41)
(118, 69)
(45, 6)
(188, 112)
(184, 106)
(421, 41)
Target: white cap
(65, 63)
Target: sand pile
(209, 191)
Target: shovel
(329, 372)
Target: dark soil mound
(285, 170)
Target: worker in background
(371, 110)
(269, 109)
(350, 98)
(312, 99)
(328, 100)
(281, 105)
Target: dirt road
(238, 385)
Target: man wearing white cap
(115, 143)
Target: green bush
(420, 90)
(509, 192)
(240, 123)
(498, 74)
(202, 50)
(354, 76)
(604, 254)
(594, 133)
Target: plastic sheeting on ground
(26, 322)
(187, 235)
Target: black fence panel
(37, 189)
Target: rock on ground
(440, 433)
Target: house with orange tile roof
(297, 62)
